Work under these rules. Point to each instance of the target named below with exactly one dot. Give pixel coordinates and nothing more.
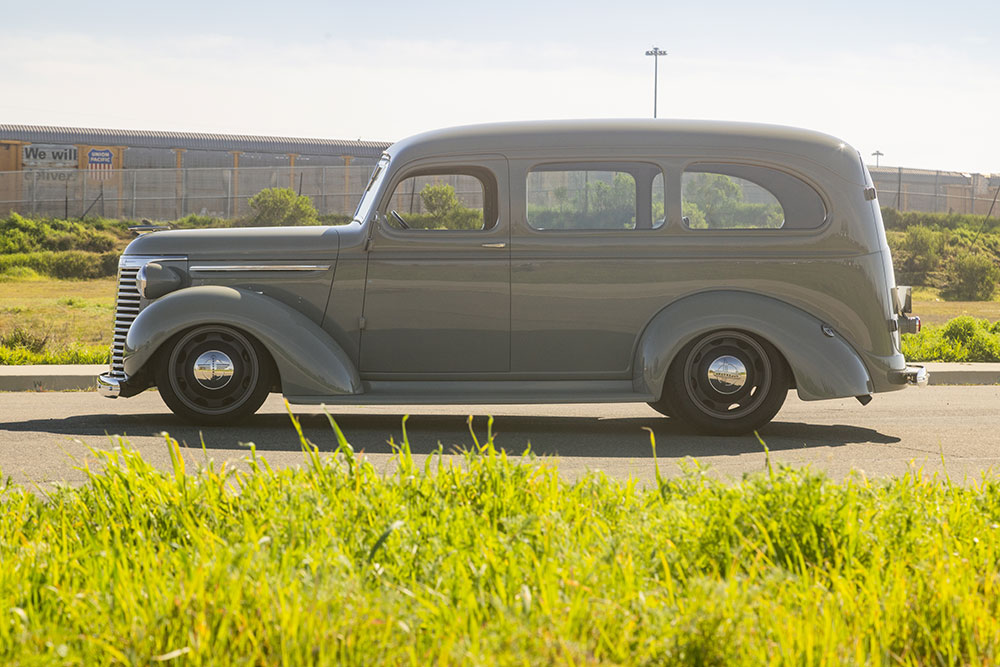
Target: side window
(733, 196)
(610, 196)
(457, 200)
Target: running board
(459, 392)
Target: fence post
(34, 189)
(229, 195)
(134, 174)
(322, 188)
(347, 183)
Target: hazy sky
(918, 81)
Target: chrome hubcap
(213, 369)
(727, 374)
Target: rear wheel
(726, 383)
(213, 374)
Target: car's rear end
(899, 304)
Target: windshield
(368, 197)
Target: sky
(917, 81)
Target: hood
(296, 243)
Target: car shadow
(564, 436)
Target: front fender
(823, 366)
(309, 361)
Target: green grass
(68, 313)
(493, 559)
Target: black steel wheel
(726, 383)
(213, 374)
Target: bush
(23, 235)
(893, 219)
(973, 278)
(923, 247)
(69, 264)
(21, 338)
(282, 207)
(963, 338)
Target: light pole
(877, 155)
(656, 53)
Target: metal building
(65, 170)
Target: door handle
(494, 245)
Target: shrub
(69, 264)
(14, 273)
(282, 207)
(963, 338)
(21, 235)
(973, 278)
(923, 247)
(893, 219)
(21, 338)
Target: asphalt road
(45, 436)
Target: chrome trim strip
(260, 267)
(134, 262)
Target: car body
(702, 267)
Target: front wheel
(213, 375)
(726, 383)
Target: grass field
(495, 560)
(73, 318)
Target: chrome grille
(127, 304)
(126, 308)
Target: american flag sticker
(99, 163)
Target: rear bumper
(915, 375)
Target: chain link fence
(168, 194)
(935, 191)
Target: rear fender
(824, 365)
(308, 360)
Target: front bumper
(110, 386)
(916, 375)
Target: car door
(437, 290)
(585, 265)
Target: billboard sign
(99, 163)
(48, 156)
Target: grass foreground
(491, 559)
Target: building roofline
(190, 140)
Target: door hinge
(362, 322)
(870, 194)
(368, 244)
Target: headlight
(154, 280)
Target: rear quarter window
(736, 196)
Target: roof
(639, 135)
(191, 140)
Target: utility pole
(877, 155)
(656, 53)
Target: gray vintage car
(705, 268)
